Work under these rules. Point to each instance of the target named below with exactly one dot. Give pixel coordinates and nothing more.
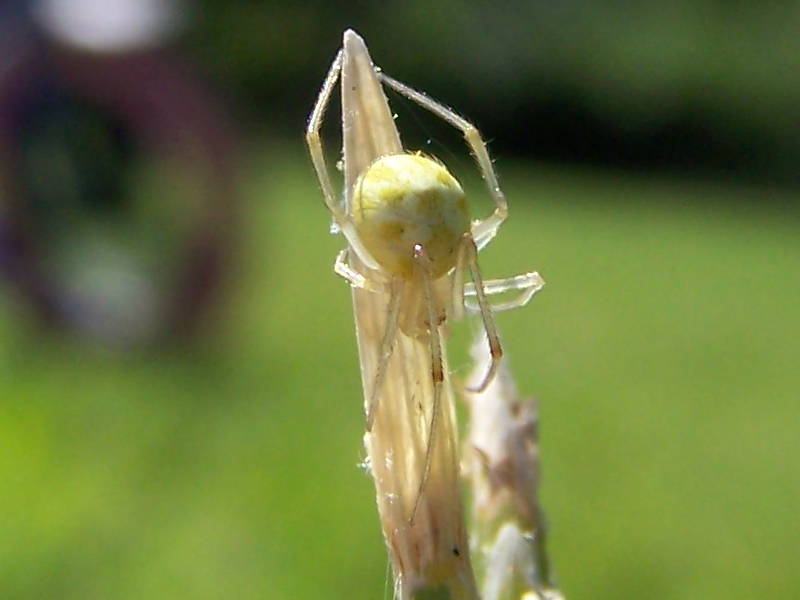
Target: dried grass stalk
(502, 465)
(430, 558)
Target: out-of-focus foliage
(685, 84)
(662, 352)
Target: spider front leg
(457, 285)
(395, 291)
(340, 217)
(396, 287)
(437, 370)
(495, 349)
(482, 230)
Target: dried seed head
(503, 467)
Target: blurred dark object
(117, 171)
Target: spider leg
(437, 370)
(457, 285)
(344, 270)
(526, 283)
(495, 349)
(482, 230)
(340, 217)
(386, 348)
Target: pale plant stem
(430, 558)
(502, 466)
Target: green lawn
(664, 352)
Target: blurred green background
(648, 154)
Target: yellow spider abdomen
(404, 200)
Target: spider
(406, 221)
